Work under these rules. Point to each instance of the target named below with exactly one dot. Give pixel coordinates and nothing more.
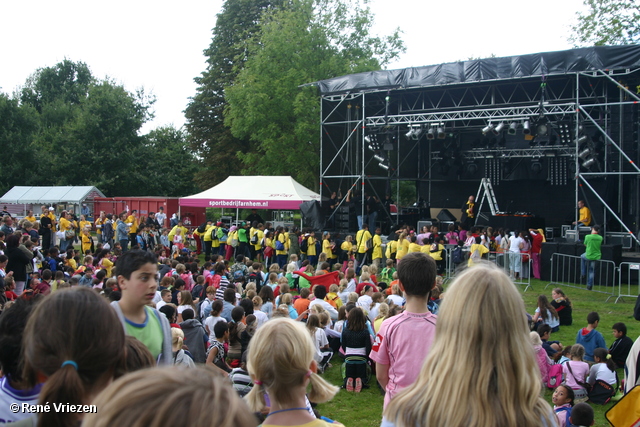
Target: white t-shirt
(261, 317)
(328, 307)
(182, 308)
(210, 322)
(373, 313)
(551, 321)
(160, 304)
(514, 244)
(599, 371)
(9, 395)
(320, 341)
(397, 300)
(364, 302)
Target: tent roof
(510, 67)
(253, 192)
(50, 195)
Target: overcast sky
(159, 45)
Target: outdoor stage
(545, 129)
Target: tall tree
(88, 129)
(209, 137)
(608, 22)
(266, 103)
(18, 125)
(168, 163)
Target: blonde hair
(373, 270)
(251, 293)
(291, 267)
(365, 277)
(334, 288)
(281, 373)
(251, 286)
(257, 301)
(343, 285)
(353, 297)
(535, 338)
(365, 269)
(383, 311)
(485, 391)
(177, 339)
(141, 399)
(286, 299)
(317, 308)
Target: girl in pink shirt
(575, 373)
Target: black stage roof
(510, 67)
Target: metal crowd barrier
(502, 259)
(628, 270)
(566, 272)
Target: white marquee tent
(253, 192)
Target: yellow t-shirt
(260, 234)
(585, 215)
(414, 247)
(85, 224)
(377, 247)
(133, 228)
(206, 235)
(31, 219)
(326, 248)
(362, 237)
(282, 239)
(99, 222)
(65, 224)
(482, 249)
(311, 249)
(107, 264)
(86, 243)
(403, 248)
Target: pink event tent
(253, 192)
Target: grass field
(365, 409)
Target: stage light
(409, 134)
(536, 165)
(471, 168)
(441, 134)
(383, 166)
(417, 132)
(512, 128)
(379, 158)
(589, 162)
(430, 134)
(367, 139)
(526, 128)
(488, 128)
(498, 128)
(582, 139)
(584, 153)
(371, 148)
(542, 128)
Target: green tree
(305, 42)
(213, 142)
(88, 129)
(17, 127)
(608, 22)
(169, 163)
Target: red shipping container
(191, 217)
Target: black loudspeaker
(568, 248)
(612, 253)
(548, 249)
(445, 215)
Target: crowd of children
(388, 324)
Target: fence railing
(515, 265)
(572, 271)
(628, 276)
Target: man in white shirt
(320, 292)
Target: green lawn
(365, 409)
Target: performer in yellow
(584, 215)
(469, 213)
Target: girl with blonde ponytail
(478, 373)
(284, 375)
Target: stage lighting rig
(512, 128)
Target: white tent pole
(237, 214)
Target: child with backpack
(603, 378)
(562, 404)
(457, 255)
(575, 373)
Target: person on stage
(584, 215)
(469, 213)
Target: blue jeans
(64, 244)
(591, 265)
(361, 219)
(124, 243)
(373, 216)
